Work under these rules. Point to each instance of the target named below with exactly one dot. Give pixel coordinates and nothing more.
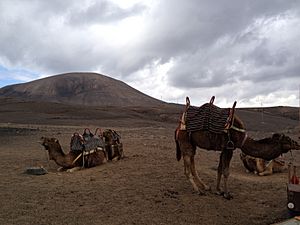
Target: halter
(241, 130)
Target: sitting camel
(231, 134)
(113, 145)
(262, 167)
(74, 160)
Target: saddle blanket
(206, 117)
(90, 144)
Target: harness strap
(77, 158)
(238, 129)
(269, 162)
(244, 140)
(92, 151)
(87, 153)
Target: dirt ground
(148, 186)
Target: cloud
(237, 50)
(102, 12)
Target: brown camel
(232, 136)
(113, 145)
(74, 159)
(262, 167)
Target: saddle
(115, 136)
(86, 142)
(208, 117)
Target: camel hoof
(227, 195)
(60, 169)
(201, 193)
(220, 193)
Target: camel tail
(178, 151)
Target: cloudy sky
(247, 50)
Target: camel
(262, 167)
(113, 145)
(232, 135)
(74, 159)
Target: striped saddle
(87, 141)
(208, 117)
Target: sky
(246, 51)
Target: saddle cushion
(93, 143)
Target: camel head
(285, 142)
(46, 142)
(49, 143)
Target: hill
(60, 99)
(88, 89)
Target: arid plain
(148, 186)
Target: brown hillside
(13, 110)
(80, 89)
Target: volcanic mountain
(89, 89)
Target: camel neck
(260, 149)
(56, 153)
(244, 140)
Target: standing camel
(231, 134)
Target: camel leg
(268, 170)
(60, 169)
(188, 173)
(74, 169)
(260, 166)
(223, 169)
(197, 179)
